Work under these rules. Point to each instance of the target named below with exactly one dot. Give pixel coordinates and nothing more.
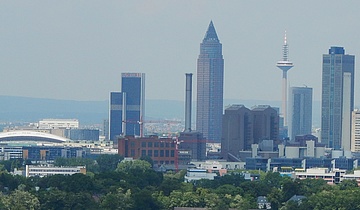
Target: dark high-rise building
(116, 107)
(300, 111)
(243, 127)
(237, 131)
(210, 79)
(265, 123)
(133, 85)
(337, 98)
(127, 107)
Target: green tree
(290, 188)
(275, 197)
(139, 166)
(240, 203)
(20, 200)
(148, 159)
(108, 162)
(53, 199)
(143, 200)
(348, 184)
(118, 200)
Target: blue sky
(78, 49)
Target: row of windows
(158, 153)
(54, 170)
(156, 144)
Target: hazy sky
(78, 49)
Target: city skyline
(86, 44)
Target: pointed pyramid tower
(211, 33)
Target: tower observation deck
(285, 65)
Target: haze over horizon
(77, 50)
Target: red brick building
(161, 150)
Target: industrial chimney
(188, 97)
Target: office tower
(265, 123)
(300, 111)
(210, 79)
(285, 65)
(116, 115)
(337, 98)
(127, 107)
(355, 131)
(237, 131)
(133, 84)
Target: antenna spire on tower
(284, 65)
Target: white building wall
(58, 123)
(292, 152)
(346, 113)
(355, 131)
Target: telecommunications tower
(284, 65)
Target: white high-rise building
(355, 131)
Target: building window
(132, 153)
(167, 145)
(172, 153)
(150, 153)
(156, 153)
(161, 153)
(150, 144)
(161, 144)
(143, 153)
(143, 144)
(156, 144)
(132, 144)
(167, 153)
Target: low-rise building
(331, 177)
(47, 170)
(194, 174)
(161, 150)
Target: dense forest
(134, 185)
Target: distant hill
(25, 109)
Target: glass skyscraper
(300, 111)
(210, 82)
(116, 107)
(337, 98)
(127, 107)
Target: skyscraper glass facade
(300, 111)
(127, 107)
(210, 82)
(337, 96)
(116, 101)
(133, 85)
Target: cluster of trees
(133, 185)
